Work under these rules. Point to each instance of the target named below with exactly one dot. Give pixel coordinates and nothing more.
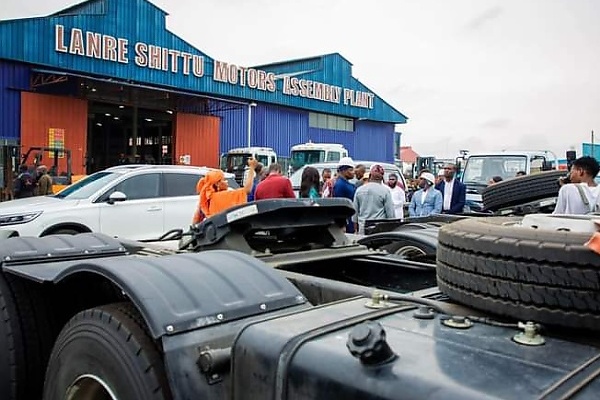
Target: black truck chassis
(93, 317)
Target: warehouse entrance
(119, 134)
(124, 123)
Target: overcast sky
(469, 74)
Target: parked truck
(236, 160)
(480, 168)
(271, 300)
(314, 153)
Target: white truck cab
(237, 159)
(479, 168)
(312, 153)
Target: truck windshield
(480, 169)
(302, 157)
(236, 161)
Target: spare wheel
(528, 274)
(522, 189)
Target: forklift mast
(37, 153)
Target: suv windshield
(480, 169)
(87, 186)
(303, 157)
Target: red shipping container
(198, 137)
(46, 118)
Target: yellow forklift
(60, 179)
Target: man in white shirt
(398, 195)
(581, 195)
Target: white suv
(137, 202)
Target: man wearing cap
(44, 182)
(343, 187)
(373, 200)
(454, 192)
(427, 200)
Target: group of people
(444, 196)
(29, 184)
(215, 196)
(373, 197)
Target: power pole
(593, 145)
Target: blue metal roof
(116, 38)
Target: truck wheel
(11, 345)
(523, 189)
(528, 274)
(26, 337)
(65, 231)
(106, 353)
(409, 248)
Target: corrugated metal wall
(13, 78)
(281, 128)
(198, 136)
(33, 41)
(40, 113)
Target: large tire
(523, 189)
(111, 344)
(544, 276)
(26, 335)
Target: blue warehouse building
(106, 79)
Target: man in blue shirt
(343, 187)
(427, 200)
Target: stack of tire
(521, 190)
(522, 273)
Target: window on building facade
(333, 122)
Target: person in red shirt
(274, 186)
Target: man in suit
(454, 192)
(427, 200)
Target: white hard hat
(346, 162)
(428, 176)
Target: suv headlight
(21, 218)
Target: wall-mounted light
(169, 112)
(149, 119)
(116, 118)
(98, 124)
(93, 89)
(121, 107)
(107, 114)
